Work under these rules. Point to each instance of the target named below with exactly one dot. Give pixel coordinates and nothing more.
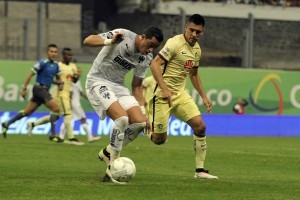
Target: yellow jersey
(67, 72)
(180, 58)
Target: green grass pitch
(248, 168)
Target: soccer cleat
(108, 178)
(203, 174)
(104, 156)
(94, 139)
(74, 141)
(30, 126)
(56, 139)
(4, 129)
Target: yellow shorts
(184, 108)
(64, 104)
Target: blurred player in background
(63, 97)
(123, 51)
(46, 69)
(77, 110)
(178, 59)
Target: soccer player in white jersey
(122, 51)
(77, 110)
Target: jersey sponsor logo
(114, 137)
(160, 127)
(141, 59)
(123, 62)
(110, 35)
(102, 89)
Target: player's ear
(143, 37)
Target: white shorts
(102, 93)
(77, 112)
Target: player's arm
(157, 74)
(27, 80)
(196, 81)
(137, 89)
(59, 82)
(97, 41)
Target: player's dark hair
(197, 19)
(52, 45)
(156, 32)
(66, 49)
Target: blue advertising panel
(217, 125)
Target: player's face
(148, 45)
(67, 56)
(193, 33)
(52, 53)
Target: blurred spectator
(239, 106)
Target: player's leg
(29, 109)
(188, 111)
(54, 116)
(103, 98)
(40, 121)
(62, 131)
(133, 129)
(87, 131)
(65, 110)
(200, 147)
(137, 120)
(159, 114)
(78, 113)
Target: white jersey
(115, 61)
(77, 110)
(76, 89)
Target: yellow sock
(200, 151)
(67, 121)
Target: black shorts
(40, 94)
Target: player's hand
(23, 93)
(148, 127)
(60, 86)
(208, 104)
(167, 95)
(118, 37)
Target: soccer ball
(122, 169)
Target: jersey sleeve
(197, 57)
(169, 50)
(37, 66)
(79, 87)
(110, 34)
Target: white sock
(62, 131)
(87, 131)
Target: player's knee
(55, 109)
(158, 139)
(200, 131)
(121, 122)
(83, 120)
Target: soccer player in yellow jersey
(178, 59)
(63, 98)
